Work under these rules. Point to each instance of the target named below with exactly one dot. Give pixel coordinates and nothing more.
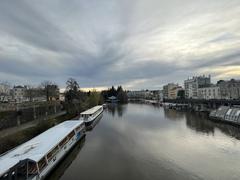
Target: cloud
(140, 44)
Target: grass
(18, 138)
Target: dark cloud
(140, 44)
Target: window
(52, 153)
(42, 164)
(71, 134)
(63, 142)
(32, 168)
(78, 128)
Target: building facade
(193, 84)
(229, 89)
(19, 94)
(173, 94)
(212, 92)
(167, 88)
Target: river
(140, 141)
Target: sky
(139, 44)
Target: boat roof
(39, 146)
(92, 110)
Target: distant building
(161, 95)
(62, 96)
(112, 99)
(19, 94)
(173, 93)
(143, 94)
(192, 85)
(5, 92)
(229, 89)
(212, 92)
(167, 88)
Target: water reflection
(114, 108)
(173, 114)
(95, 122)
(146, 142)
(196, 122)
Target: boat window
(71, 134)
(32, 169)
(52, 153)
(42, 164)
(78, 128)
(63, 142)
(5, 176)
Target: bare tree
(50, 90)
(4, 90)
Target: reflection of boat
(58, 172)
(90, 115)
(95, 122)
(104, 106)
(37, 157)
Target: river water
(139, 141)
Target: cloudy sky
(136, 43)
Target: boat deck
(39, 146)
(91, 111)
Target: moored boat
(37, 157)
(90, 115)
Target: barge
(90, 115)
(34, 159)
(226, 114)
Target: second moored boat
(90, 115)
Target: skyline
(138, 44)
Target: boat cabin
(34, 157)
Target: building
(193, 84)
(167, 88)
(62, 96)
(19, 94)
(212, 92)
(173, 93)
(229, 89)
(143, 94)
(5, 92)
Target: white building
(173, 94)
(5, 95)
(212, 92)
(19, 94)
(143, 94)
(167, 88)
(193, 84)
(230, 89)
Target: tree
(72, 90)
(181, 94)
(50, 90)
(122, 95)
(4, 90)
(72, 84)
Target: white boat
(37, 157)
(90, 115)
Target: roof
(112, 98)
(39, 146)
(92, 110)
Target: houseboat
(226, 114)
(90, 115)
(34, 159)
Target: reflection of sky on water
(146, 142)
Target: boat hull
(90, 122)
(57, 159)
